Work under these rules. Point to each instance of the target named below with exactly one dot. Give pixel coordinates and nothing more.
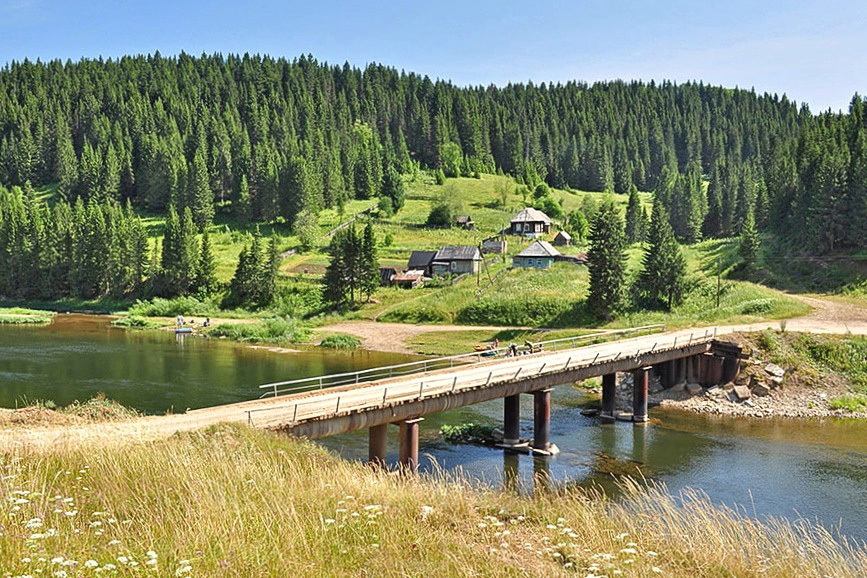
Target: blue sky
(815, 52)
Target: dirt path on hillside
(393, 337)
(827, 317)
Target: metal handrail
(425, 365)
(448, 384)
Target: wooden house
(386, 276)
(456, 260)
(530, 222)
(465, 222)
(421, 261)
(539, 255)
(562, 239)
(496, 244)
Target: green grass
(135, 322)
(340, 341)
(236, 502)
(23, 316)
(278, 330)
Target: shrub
(277, 330)
(440, 216)
(757, 306)
(135, 322)
(160, 307)
(340, 341)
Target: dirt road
(393, 337)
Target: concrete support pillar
(639, 395)
(542, 419)
(609, 384)
(377, 444)
(408, 451)
(511, 419)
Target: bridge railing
(431, 386)
(425, 365)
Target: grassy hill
(498, 296)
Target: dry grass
(38, 413)
(236, 502)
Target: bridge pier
(639, 395)
(609, 385)
(542, 420)
(511, 419)
(408, 450)
(377, 444)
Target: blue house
(539, 255)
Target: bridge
(403, 394)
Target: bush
(440, 216)
(277, 330)
(160, 307)
(385, 206)
(135, 322)
(440, 177)
(340, 341)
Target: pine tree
(271, 269)
(243, 208)
(206, 279)
(607, 263)
(748, 246)
(393, 189)
(633, 216)
(660, 283)
(369, 263)
(199, 195)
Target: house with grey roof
(456, 260)
(563, 238)
(421, 261)
(539, 255)
(530, 222)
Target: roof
(539, 249)
(420, 259)
(458, 253)
(464, 219)
(408, 276)
(531, 215)
(563, 235)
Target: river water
(811, 469)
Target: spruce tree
(206, 279)
(660, 283)
(199, 195)
(748, 245)
(393, 189)
(369, 263)
(633, 216)
(243, 207)
(607, 263)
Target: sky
(814, 52)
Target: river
(810, 469)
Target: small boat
(184, 330)
(489, 353)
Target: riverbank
(22, 316)
(175, 506)
(793, 375)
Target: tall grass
(21, 316)
(236, 502)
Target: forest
(265, 140)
